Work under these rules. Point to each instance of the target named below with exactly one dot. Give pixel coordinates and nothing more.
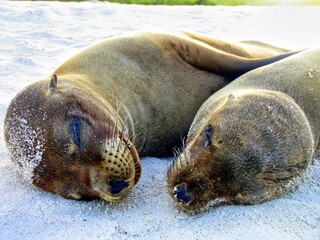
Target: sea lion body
(127, 93)
(251, 140)
(145, 75)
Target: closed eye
(76, 131)
(208, 136)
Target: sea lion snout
(188, 191)
(119, 170)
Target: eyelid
(76, 131)
(208, 136)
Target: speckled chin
(120, 162)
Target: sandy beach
(36, 37)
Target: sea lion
(250, 141)
(75, 133)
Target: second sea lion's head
(244, 148)
(67, 141)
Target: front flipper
(203, 56)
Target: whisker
(88, 158)
(133, 135)
(180, 160)
(139, 141)
(113, 133)
(120, 143)
(175, 153)
(109, 131)
(95, 142)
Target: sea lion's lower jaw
(107, 196)
(196, 204)
(114, 199)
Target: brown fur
(250, 141)
(77, 135)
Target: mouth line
(185, 204)
(194, 207)
(114, 198)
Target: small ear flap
(53, 81)
(232, 98)
(53, 84)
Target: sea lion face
(77, 149)
(248, 150)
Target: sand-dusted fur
(77, 132)
(250, 141)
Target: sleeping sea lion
(75, 133)
(253, 139)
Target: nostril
(181, 194)
(117, 186)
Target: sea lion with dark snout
(75, 133)
(250, 141)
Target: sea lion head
(66, 141)
(244, 148)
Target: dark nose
(181, 194)
(116, 186)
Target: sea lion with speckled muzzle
(77, 133)
(250, 141)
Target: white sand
(35, 37)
